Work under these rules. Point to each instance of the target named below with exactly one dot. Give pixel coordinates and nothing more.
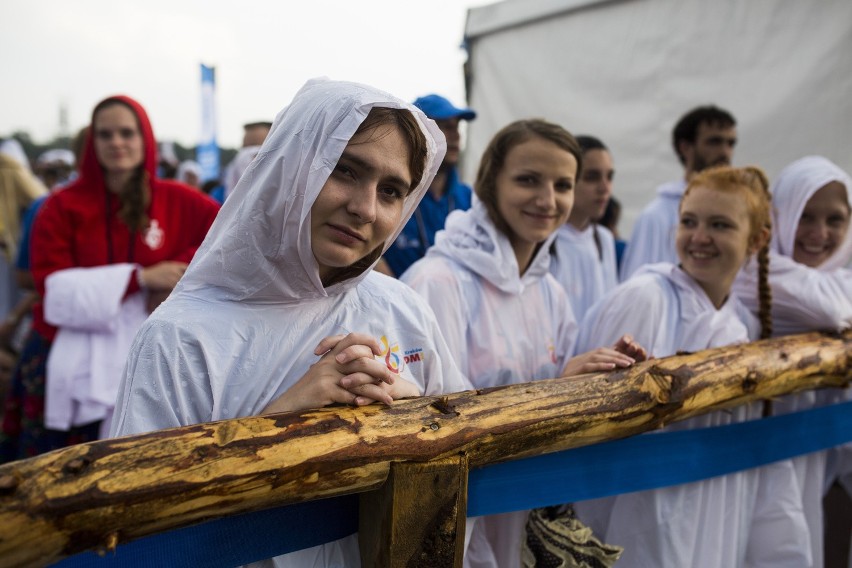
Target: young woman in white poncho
(811, 281)
(583, 254)
(505, 317)
(749, 518)
(280, 309)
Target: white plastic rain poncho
(750, 518)
(653, 237)
(584, 264)
(503, 328)
(804, 299)
(241, 326)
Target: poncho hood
(791, 190)
(472, 240)
(259, 248)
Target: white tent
(626, 70)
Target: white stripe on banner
(207, 153)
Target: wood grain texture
(93, 496)
(416, 519)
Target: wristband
(139, 278)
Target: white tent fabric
(626, 70)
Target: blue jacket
(427, 220)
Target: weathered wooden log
(99, 494)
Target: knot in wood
(76, 465)
(660, 386)
(443, 406)
(749, 383)
(8, 484)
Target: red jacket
(79, 226)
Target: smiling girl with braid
(724, 521)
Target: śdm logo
(394, 362)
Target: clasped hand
(346, 373)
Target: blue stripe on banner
(233, 541)
(637, 463)
(654, 460)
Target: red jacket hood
(91, 173)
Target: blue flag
(207, 153)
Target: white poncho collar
(472, 240)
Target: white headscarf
(188, 167)
(791, 190)
(259, 248)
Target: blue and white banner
(207, 153)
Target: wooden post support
(417, 518)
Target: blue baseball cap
(437, 107)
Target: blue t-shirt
(428, 219)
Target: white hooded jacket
(241, 326)
(749, 518)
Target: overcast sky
(55, 53)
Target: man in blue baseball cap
(445, 194)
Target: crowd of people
(347, 242)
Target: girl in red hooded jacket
(106, 251)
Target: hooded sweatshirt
(79, 226)
(749, 518)
(241, 326)
(503, 328)
(805, 299)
